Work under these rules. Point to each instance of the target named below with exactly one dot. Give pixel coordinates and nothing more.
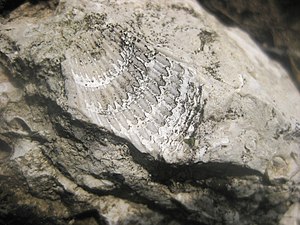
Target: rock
(275, 25)
(291, 216)
(111, 115)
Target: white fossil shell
(128, 87)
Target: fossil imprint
(127, 86)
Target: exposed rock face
(274, 24)
(142, 113)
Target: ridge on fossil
(128, 87)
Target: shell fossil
(127, 86)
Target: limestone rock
(131, 112)
(274, 24)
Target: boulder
(131, 112)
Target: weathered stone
(291, 216)
(210, 137)
(274, 24)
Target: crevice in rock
(5, 150)
(163, 172)
(13, 213)
(87, 217)
(127, 193)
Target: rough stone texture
(274, 24)
(61, 164)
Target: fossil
(124, 84)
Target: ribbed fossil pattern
(127, 86)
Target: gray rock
(142, 113)
(274, 24)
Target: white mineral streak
(182, 87)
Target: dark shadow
(5, 150)
(163, 172)
(89, 216)
(7, 6)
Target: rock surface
(274, 24)
(224, 151)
